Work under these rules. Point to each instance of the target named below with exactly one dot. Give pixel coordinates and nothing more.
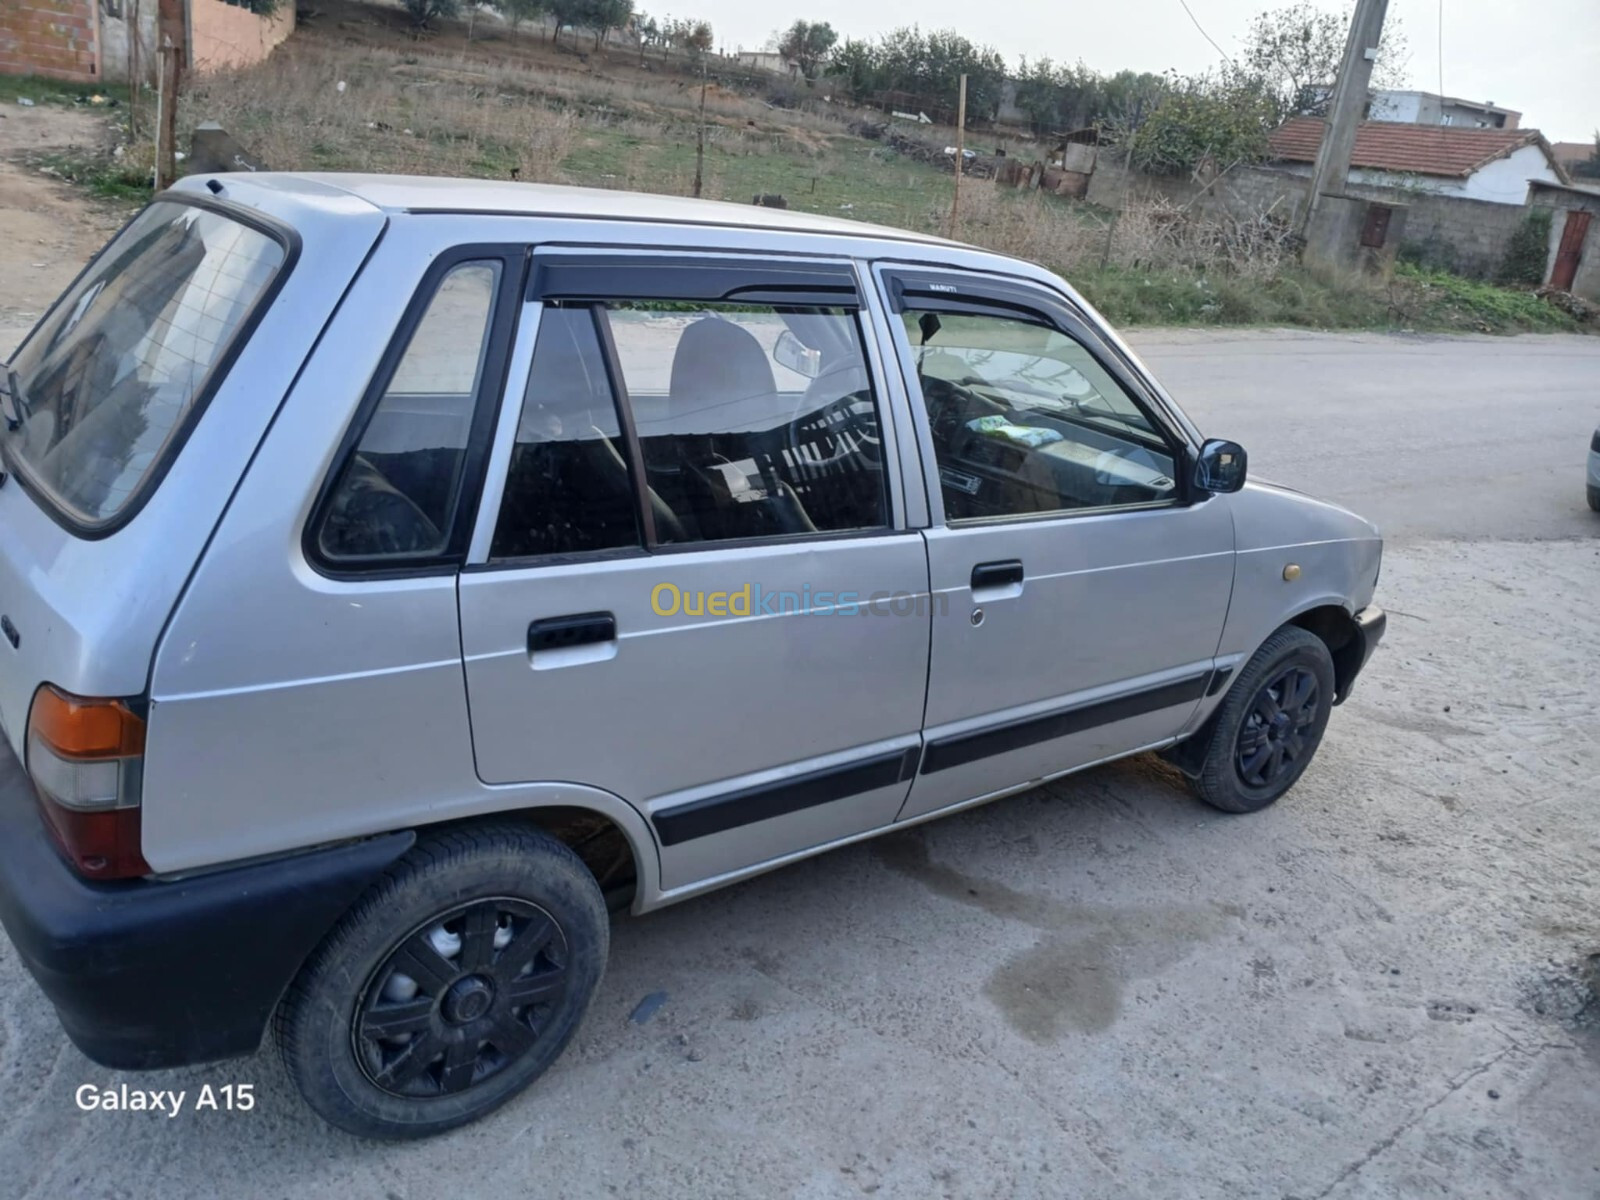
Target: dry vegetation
(352, 91)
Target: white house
(1427, 108)
(1495, 165)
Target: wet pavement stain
(1073, 977)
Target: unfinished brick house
(87, 41)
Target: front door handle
(566, 633)
(997, 574)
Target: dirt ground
(1100, 988)
(47, 230)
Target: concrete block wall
(1586, 282)
(1470, 236)
(52, 38)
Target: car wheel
(450, 986)
(1270, 723)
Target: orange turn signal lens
(77, 728)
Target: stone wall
(51, 38)
(1466, 236)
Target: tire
(482, 946)
(1232, 776)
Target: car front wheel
(1270, 723)
(450, 986)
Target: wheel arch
(1336, 627)
(610, 835)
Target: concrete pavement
(1102, 988)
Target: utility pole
(961, 158)
(1345, 111)
(172, 35)
(700, 133)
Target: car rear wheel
(1270, 724)
(450, 986)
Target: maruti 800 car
(398, 574)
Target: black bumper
(1370, 624)
(161, 974)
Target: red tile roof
(1413, 149)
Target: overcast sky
(1541, 57)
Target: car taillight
(86, 760)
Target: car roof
(427, 194)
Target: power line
(1206, 35)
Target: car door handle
(997, 574)
(566, 633)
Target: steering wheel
(851, 422)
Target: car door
(691, 583)
(1079, 586)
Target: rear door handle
(997, 574)
(566, 633)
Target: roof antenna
(216, 188)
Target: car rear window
(103, 388)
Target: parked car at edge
(396, 573)
(1594, 472)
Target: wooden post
(172, 33)
(700, 137)
(961, 158)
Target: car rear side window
(395, 497)
(106, 387)
(754, 421)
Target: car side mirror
(800, 358)
(1220, 467)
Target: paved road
(1459, 437)
(1102, 988)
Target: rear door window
(103, 392)
(755, 420)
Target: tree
(1589, 168)
(646, 31)
(1221, 117)
(807, 44)
(517, 11)
(424, 12)
(925, 67)
(603, 16)
(565, 14)
(1295, 52)
(689, 36)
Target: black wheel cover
(1273, 737)
(476, 1009)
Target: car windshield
(98, 395)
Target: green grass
(1426, 301)
(1449, 301)
(51, 91)
(843, 177)
(99, 174)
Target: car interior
(1024, 421)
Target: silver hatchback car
(396, 574)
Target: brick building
(87, 41)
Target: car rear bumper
(162, 973)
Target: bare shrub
(1149, 233)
